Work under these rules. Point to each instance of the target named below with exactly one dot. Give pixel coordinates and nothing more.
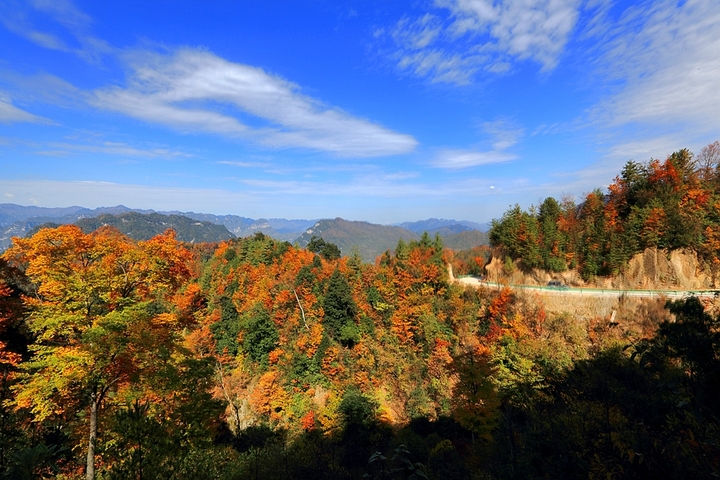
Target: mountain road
(596, 292)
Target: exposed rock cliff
(658, 269)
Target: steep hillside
(145, 226)
(370, 239)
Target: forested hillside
(371, 240)
(668, 204)
(254, 359)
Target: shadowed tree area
(647, 410)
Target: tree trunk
(90, 469)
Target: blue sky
(366, 110)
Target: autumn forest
(255, 359)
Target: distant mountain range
(278, 228)
(18, 221)
(370, 239)
(442, 226)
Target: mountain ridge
(370, 238)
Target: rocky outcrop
(659, 269)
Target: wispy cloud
(469, 36)
(9, 113)
(443, 66)
(666, 55)
(457, 159)
(20, 18)
(642, 150)
(64, 13)
(183, 90)
(536, 30)
(235, 163)
(191, 90)
(110, 148)
(41, 88)
(503, 135)
(419, 33)
(376, 187)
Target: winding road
(595, 292)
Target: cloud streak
(182, 91)
(503, 134)
(9, 113)
(19, 20)
(458, 159)
(111, 148)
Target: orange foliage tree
(100, 315)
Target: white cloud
(372, 187)
(644, 149)
(419, 33)
(64, 12)
(667, 57)
(181, 90)
(457, 159)
(503, 134)
(482, 35)
(11, 114)
(441, 66)
(42, 88)
(400, 176)
(524, 29)
(19, 20)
